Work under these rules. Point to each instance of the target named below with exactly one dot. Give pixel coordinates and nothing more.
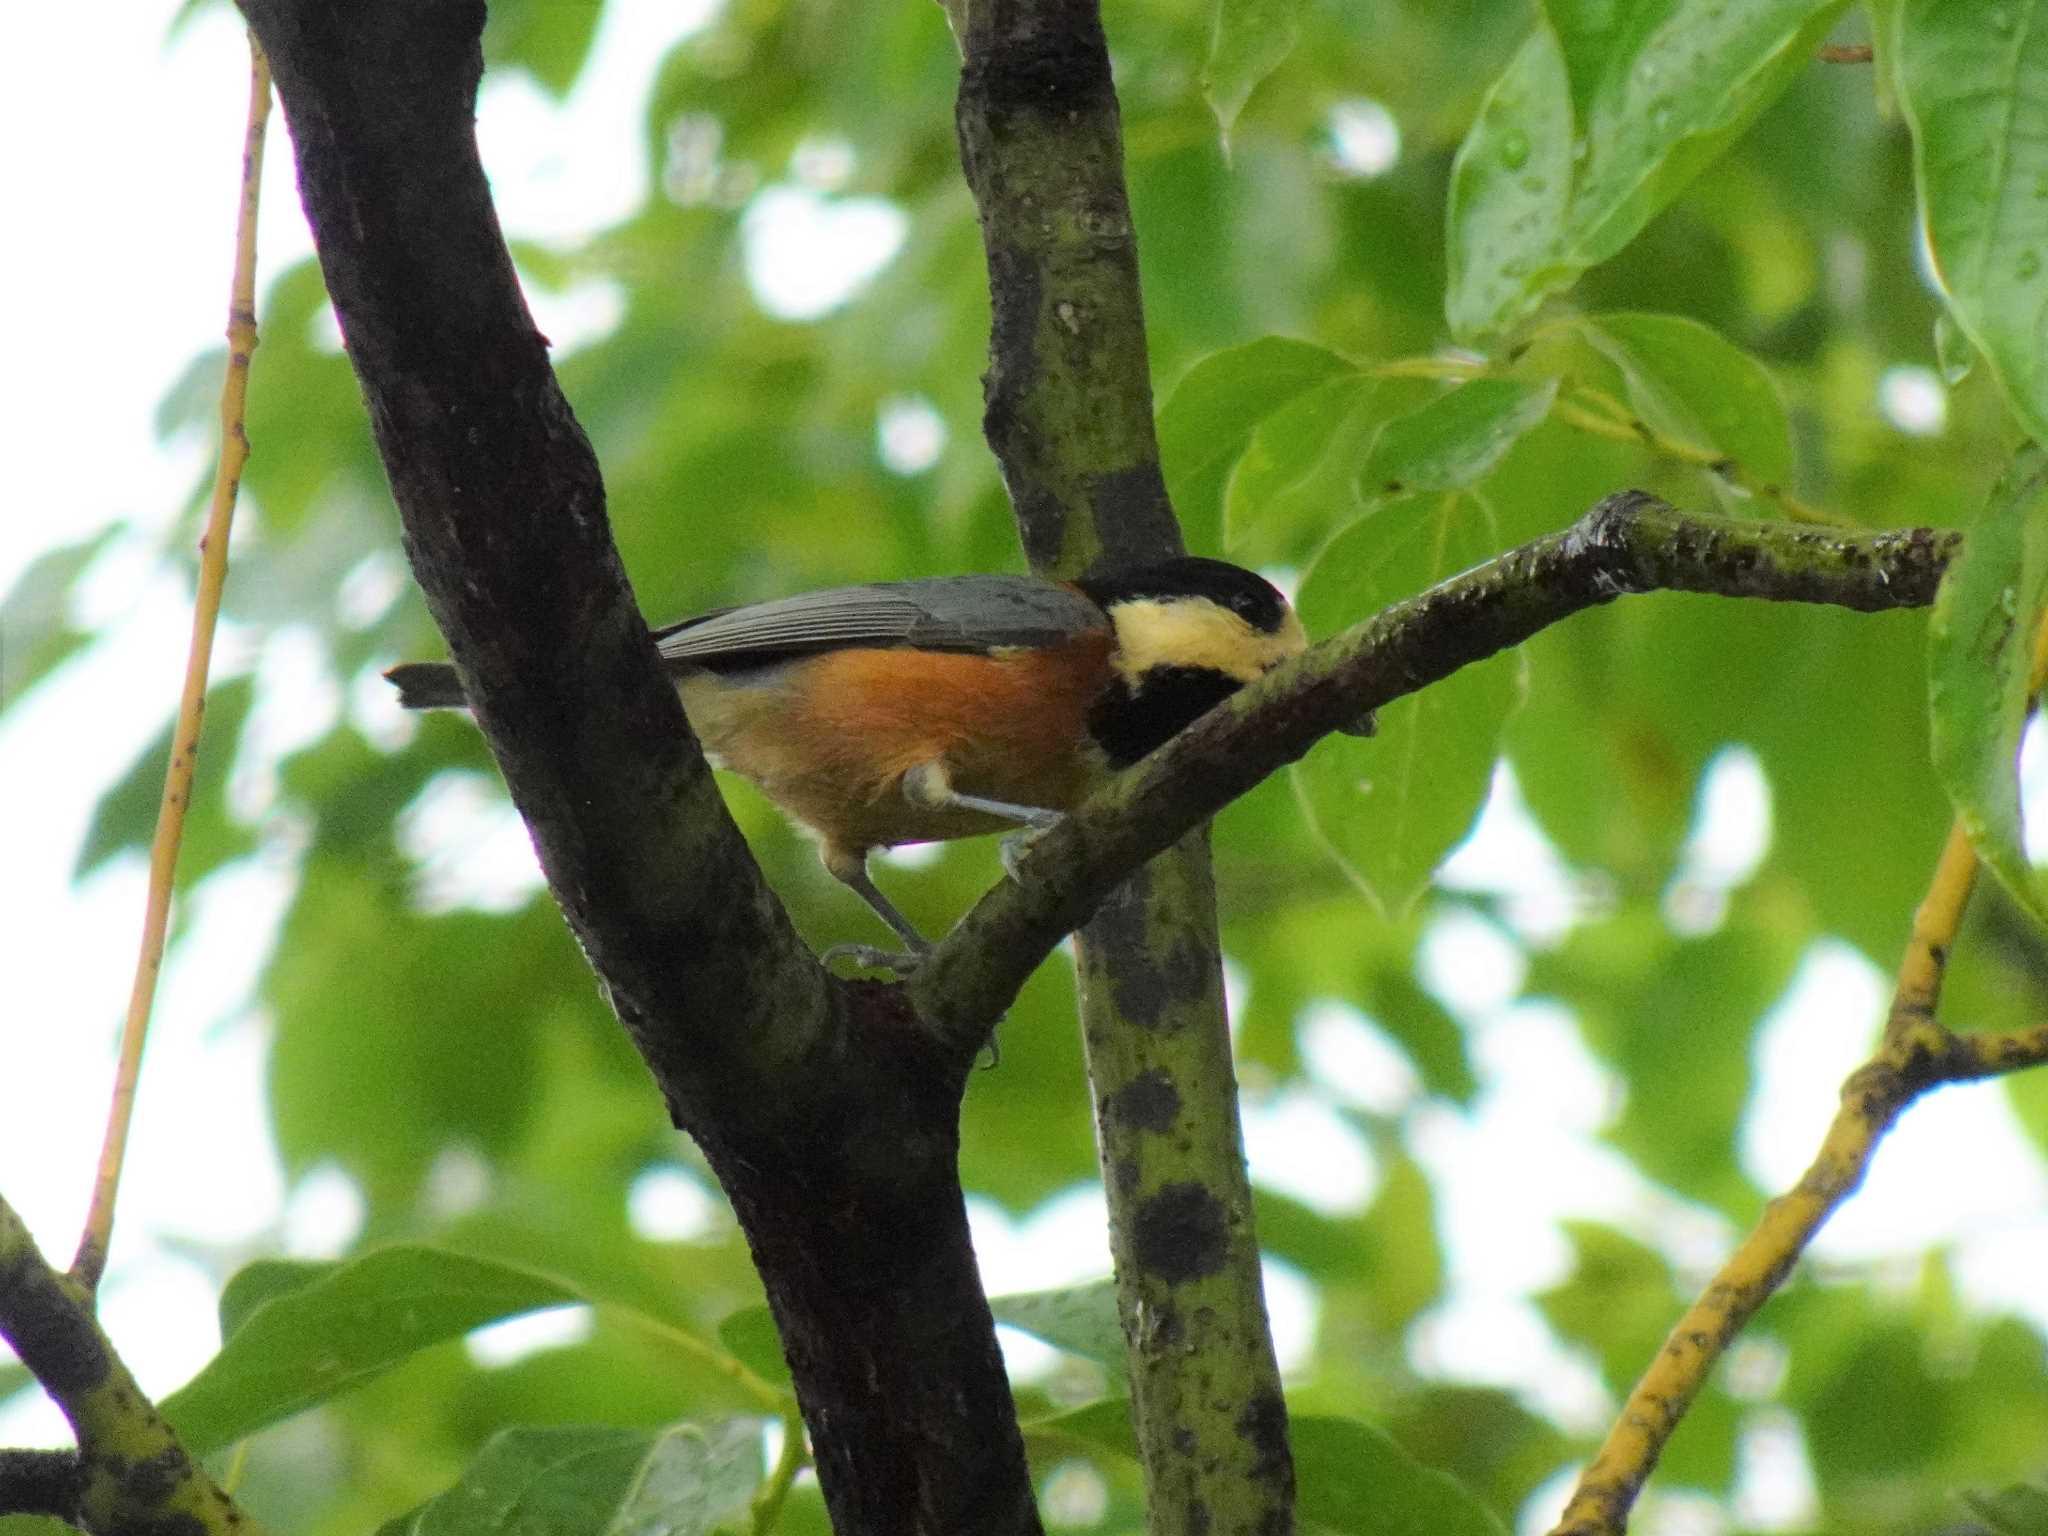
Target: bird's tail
(427, 685)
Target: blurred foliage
(1736, 341)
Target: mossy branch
(1070, 418)
(131, 1472)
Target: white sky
(118, 276)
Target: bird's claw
(1013, 847)
(867, 957)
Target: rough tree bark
(830, 1117)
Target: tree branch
(42, 1483)
(131, 1473)
(831, 1122)
(1070, 419)
(505, 525)
(1629, 542)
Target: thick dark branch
(42, 1483)
(1631, 542)
(830, 1119)
(505, 524)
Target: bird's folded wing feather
(955, 613)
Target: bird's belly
(829, 739)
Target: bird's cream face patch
(1194, 632)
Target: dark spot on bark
(1050, 69)
(1180, 1233)
(1125, 1173)
(1198, 1517)
(153, 1479)
(1263, 1424)
(1148, 1102)
(1184, 1441)
(53, 1336)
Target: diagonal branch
(131, 1473)
(505, 525)
(1630, 542)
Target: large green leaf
(1208, 420)
(1250, 40)
(1391, 807)
(1974, 82)
(1643, 95)
(596, 1480)
(341, 1325)
(1980, 650)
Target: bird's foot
(868, 957)
(1013, 847)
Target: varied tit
(916, 711)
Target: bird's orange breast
(829, 738)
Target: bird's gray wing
(949, 613)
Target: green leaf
(1974, 83)
(1693, 384)
(1676, 85)
(1510, 189)
(550, 39)
(1979, 664)
(303, 1344)
(35, 631)
(679, 1481)
(1249, 42)
(1980, 650)
(1390, 808)
(1080, 1319)
(751, 1335)
(2021, 1510)
(1353, 1479)
(126, 816)
(1455, 440)
(263, 1280)
(1208, 420)
(1657, 91)
(1300, 469)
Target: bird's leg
(927, 785)
(850, 868)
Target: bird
(949, 707)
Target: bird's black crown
(1245, 593)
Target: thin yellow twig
(91, 1258)
(1916, 1052)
